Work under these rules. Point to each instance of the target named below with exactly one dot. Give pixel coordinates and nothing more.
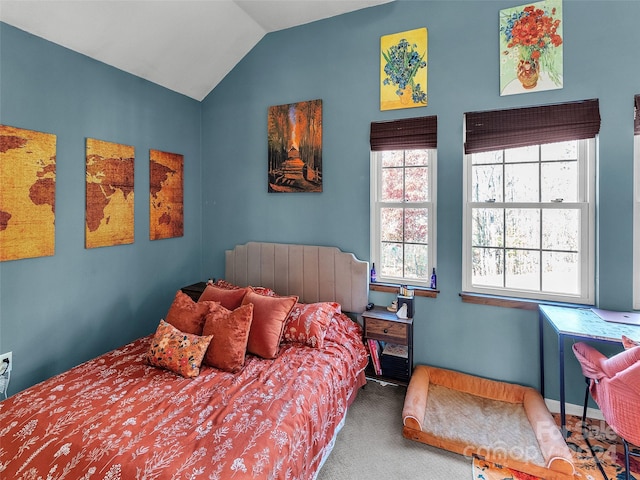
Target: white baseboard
(573, 409)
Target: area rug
(605, 444)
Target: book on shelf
(375, 351)
(396, 350)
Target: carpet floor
(371, 446)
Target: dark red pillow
(230, 331)
(187, 315)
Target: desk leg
(563, 427)
(541, 349)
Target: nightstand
(396, 334)
(195, 290)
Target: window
(636, 203)
(529, 202)
(403, 200)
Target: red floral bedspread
(117, 418)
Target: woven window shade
(521, 127)
(636, 115)
(405, 134)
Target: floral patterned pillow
(260, 290)
(180, 352)
(307, 323)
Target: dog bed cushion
(501, 422)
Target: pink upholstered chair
(614, 384)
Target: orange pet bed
(501, 422)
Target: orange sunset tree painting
(295, 147)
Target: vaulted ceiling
(184, 45)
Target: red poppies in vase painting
(531, 48)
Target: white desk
(582, 324)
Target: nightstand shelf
(384, 326)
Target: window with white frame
(529, 202)
(636, 203)
(403, 200)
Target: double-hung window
(403, 200)
(529, 202)
(636, 203)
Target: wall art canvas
(27, 193)
(403, 70)
(531, 48)
(109, 194)
(295, 147)
(166, 192)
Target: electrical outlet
(6, 356)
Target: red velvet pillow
(177, 351)
(269, 315)
(230, 330)
(307, 323)
(187, 315)
(228, 298)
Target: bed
(125, 416)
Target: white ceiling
(185, 45)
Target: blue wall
(58, 311)
(337, 60)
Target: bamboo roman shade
(521, 127)
(636, 115)
(405, 134)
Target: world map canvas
(109, 194)
(27, 193)
(166, 187)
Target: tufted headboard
(314, 273)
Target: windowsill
(509, 302)
(393, 288)
(499, 301)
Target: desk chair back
(614, 384)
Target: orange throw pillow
(269, 315)
(230, 331)
(177, 351)
(187, 315)
(228, 298)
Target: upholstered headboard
(314, 273)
